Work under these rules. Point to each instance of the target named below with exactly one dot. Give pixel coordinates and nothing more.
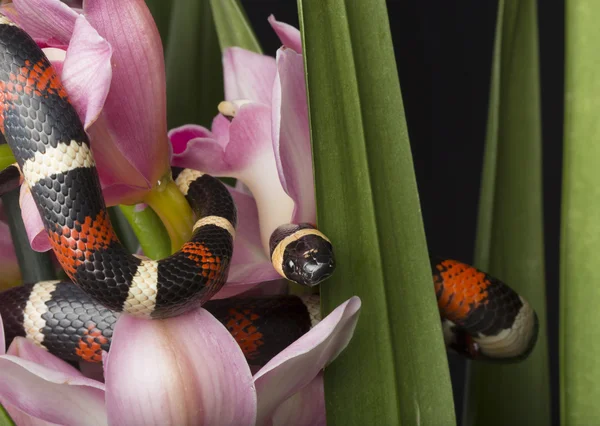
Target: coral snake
(482, 317)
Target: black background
(443, 50)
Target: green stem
(6, 157)
(174, 212)
(149, 230)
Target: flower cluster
(110, 59)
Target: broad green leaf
(34, 266)
(5, 419)
(149, 230)
(395, 370)
(510, 243)
(161, 12)
(233, 26)
(193, 65)
(580, 233)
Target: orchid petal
(8, 263)
(23, 419)
(134, 115)
(87, 71)
(249, 264)
(298, 364)
(194, 374)
(45, 19)
(305, 408)
(44, 390)
(37, 235)
(291, 137)
(288, 35)
(180, 136)
(29, 351)
(248, 75)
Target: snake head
(302, 254)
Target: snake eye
(309, 260)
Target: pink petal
(249, 265)
(45, 19)
(248, 75)
(9, 265)
(248, 137)
(291, 137)
(180, 136)
(135, 109)
(87, 71)
(27, 350)
(193, 373)
(44, 389)
(305, 408)
(289, 36)
(22, 419)
(298, 364)
(38, 238)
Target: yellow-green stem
(6, 157)
(174, 211)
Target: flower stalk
(174, 211)
(6, 157)
(149, 230)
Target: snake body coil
(482, 317)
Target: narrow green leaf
(510, 243)
(395, 369)
(5, 419)
(193, 65)
(161, 12)
(580, 233)
(150, 231)
(6, 156)
(34, 266)
(233, 26)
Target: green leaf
(149, 229)
(395, 370)
(5, 419)
(161, 12)
(233, 26)
(580, 233)
(510, 242)
(34, 266)
(193, 65)
(6, 157)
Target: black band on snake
(482, 317)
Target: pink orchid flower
(110, 59)
(261, 138)
(202, 379)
